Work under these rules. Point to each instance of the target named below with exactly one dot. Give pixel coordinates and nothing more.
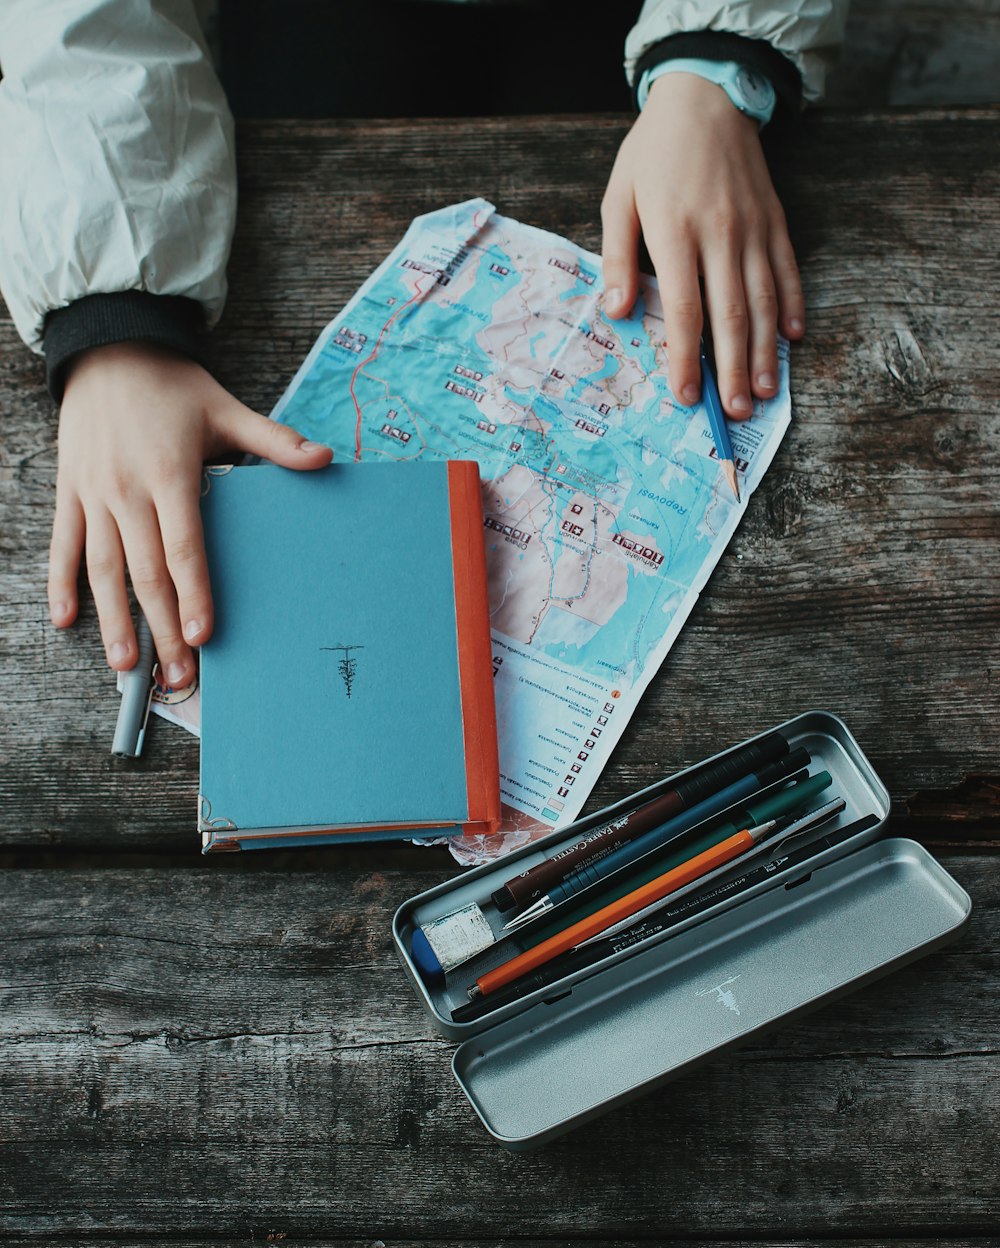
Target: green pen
(773, 806)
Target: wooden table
(226, 1050)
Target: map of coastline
(604, 507)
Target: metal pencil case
(555, 1059)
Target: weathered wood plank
(864, 577)
(204, 1051)
(290, 1237)
(275, 1235)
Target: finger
(154, 589)
(727, 312)
(245, 430)
(762, 307)
(65, 553)
(619, 250)
(676, 264)
(788, 284)
(106, 573)
(184, 549)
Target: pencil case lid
(609, 1038)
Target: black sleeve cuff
(720, 45)
(125, 316)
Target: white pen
(137, 691)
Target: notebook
(347, 689)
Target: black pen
(701, 898)
(657, 838)
(604, 946)
(599, 842)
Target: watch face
(755, 89)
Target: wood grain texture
(285, 1238)
(864, 577)
(213, 1053)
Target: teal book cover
(347, 687)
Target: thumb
(239, 428)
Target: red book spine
(475, 650)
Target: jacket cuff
(125, 316)
(720, 45)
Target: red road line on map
(354, 376)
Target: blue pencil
(717, 420)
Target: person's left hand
(136, 425)
(691, 177)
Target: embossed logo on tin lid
(723, 994)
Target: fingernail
(796, 325)
(60, 609)
(690, 394)
(766, 381)
(307, 447)
(613, 299)
(741, 403)
(191, 629)
(175, 673)
(119, 652)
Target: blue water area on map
(532, 343)
(631, 330)
(536, 447)
(496, 256)
(578, 289)
(565, 439)
(607, 370)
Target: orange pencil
(625, 906)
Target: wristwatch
(750, 91)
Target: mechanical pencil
(700, 900)
(655, 838)
(527, 887)
(788, 827)
(698, 865)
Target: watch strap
(725, 75)
(721, 45)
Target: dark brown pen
(527, 887)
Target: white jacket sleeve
(807, 32)
(117, 167)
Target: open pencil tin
(536, 1067)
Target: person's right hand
(692, 179)
(136, 425)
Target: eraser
(439, 946)
(424, 957)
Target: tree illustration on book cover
(347, 666)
